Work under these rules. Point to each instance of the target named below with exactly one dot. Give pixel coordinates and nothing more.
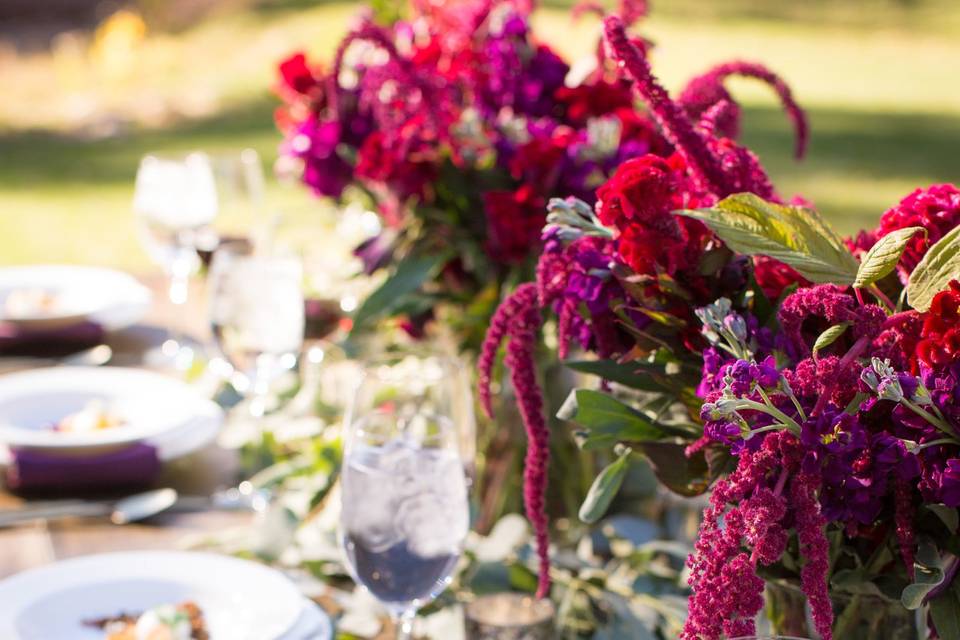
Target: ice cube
(434, 519)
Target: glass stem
(259, 391)
(178, 293)
(404, 624)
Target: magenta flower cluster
(590, 245)
(838, 407)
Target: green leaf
(411, 273)
(855, 581)
(945, 611)
(829, 336)
(634, 374)
(939, 266)
(948, 515)
(883, 257)
(604, 488)
(608, 421)
(928, 569)
(794, 235)
(686, 476)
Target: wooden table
(199, 474)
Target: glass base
(173, 354)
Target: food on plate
(31, 303)
(167, 622)
(94, 416)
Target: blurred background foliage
(91, 86)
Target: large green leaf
(939, 266)
(929, 574)
(634, 374)
(794, 235)
(682, 474)
(947, 515)
(883, 257)
(604, 488)
(945, 611)
(411, 273)
(608, 421)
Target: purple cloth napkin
(136, 466)
(48, 343)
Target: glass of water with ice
(405, 513)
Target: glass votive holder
(510, 616)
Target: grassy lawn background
(879, 84)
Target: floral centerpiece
(810, 384)
(457, 124)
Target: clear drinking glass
(183, 206)
(257, 316)
(405, 513)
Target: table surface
(199, 474)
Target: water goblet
(404, 485)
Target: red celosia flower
(638, 200)
(600, 98)
(939, 345)
(827, 303)
(642, 191)
(936, 209)
(774, 276)
(898, 339)
(539, 160)
(396, 163)
(296, 75)
(514, 221)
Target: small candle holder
(510, 616)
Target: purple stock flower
(315, 143)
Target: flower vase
(856, 616)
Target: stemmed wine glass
(404, 485)
(257, 316)
(183, 206)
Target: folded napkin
(16, 340)
(33, 470)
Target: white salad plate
(151, 408)
(240, 600)
(113, 299)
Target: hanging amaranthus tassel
(707, 90)
(518, 321)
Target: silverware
(92, 357)
(139, 507)
(130, 509)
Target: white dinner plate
(149, 405)
(313, 624)
(113, 299)
(240, 600)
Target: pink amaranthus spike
(518, 321)
(904, 512)
(706, 91)
(692, 146)
(815, 549)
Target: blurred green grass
(884, 109)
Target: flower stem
(770, 410)
(920, 411)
